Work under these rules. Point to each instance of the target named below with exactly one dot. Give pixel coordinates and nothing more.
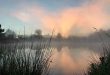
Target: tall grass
(19, 60)
(102, 67)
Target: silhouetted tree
(38, 33)
(10, 34)
(59, 36)
(1, 32)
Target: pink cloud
(76, 21)
(22, 16)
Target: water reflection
(66, 59)
(69, 61)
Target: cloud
(22, 16)
(73, 20)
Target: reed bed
(101, 67)
(22, 60)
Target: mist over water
(68, 59)
(75, 58)
(54, 37)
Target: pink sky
(72, 20)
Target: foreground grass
(102, 67)
(15, 60)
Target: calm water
(74, 58)
(70, 58)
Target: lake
(66, 58)
(75, 57)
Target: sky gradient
(68, 17)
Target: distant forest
(9, 36)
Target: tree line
(11, 35)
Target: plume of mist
(73, 20)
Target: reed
(101, 67)
(15, 60)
